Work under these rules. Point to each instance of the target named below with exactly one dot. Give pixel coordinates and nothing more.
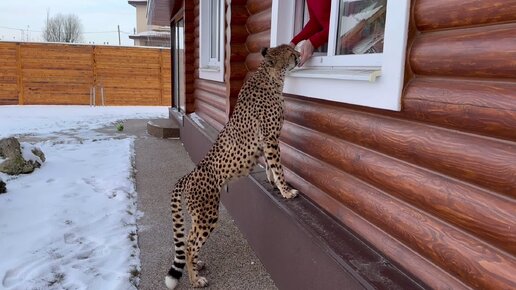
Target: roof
(159, 11)
(150, 34)
(137, 2)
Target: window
(211, 40)
(179, 101)
(363, 61)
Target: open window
(363, 61)
(211, 42)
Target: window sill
(369, 75)
(210, 69)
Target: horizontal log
(239, 14)
(259, 22)
(440, 14)
(475, 52)
(237, 71)
(486, 162)
(255, 42)
(206, 117)
(475, 263)
(216, 101)
(210, 86)
(432, 276)
(255, 6)
(481, 213)
(214, 113)
(487, 108)
(253, 60)
(238, 52)
(239, 34)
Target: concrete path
(230, 262)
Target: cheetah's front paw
(270, 175)
(200, 283)
(290, 193)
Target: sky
(99, 19)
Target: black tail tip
(172, 278)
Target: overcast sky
(99, 18)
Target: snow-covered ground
(40, 120)
(71, 224)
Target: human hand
(306, 50)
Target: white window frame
(372, 80)
(210, 68)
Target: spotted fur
(252, 131)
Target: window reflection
(361, 26)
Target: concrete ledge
(300, 245)
(163, 128)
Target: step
(163, 128)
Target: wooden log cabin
(407, 165)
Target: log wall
(41, 73)
(432, 187)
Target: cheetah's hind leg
(270, 174)
(204, 220)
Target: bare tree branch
(63, 28)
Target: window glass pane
(214, 29)
(361, 26)
(179, 70)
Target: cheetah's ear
(264, 51)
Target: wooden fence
(52, 74)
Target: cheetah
(251, 132)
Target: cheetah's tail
(176, 271)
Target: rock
(3, 189)
(36, 151)
(17, 159)
(9, 147)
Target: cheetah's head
(281, 57)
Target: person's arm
(320, 9)
(311, 28)
(320, 37)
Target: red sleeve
(317, 29)
(310, 29)
(321, 37)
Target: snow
(19, 120)
(27, 154)
(71, 224)
(197, 120)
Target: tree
(63, 28)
